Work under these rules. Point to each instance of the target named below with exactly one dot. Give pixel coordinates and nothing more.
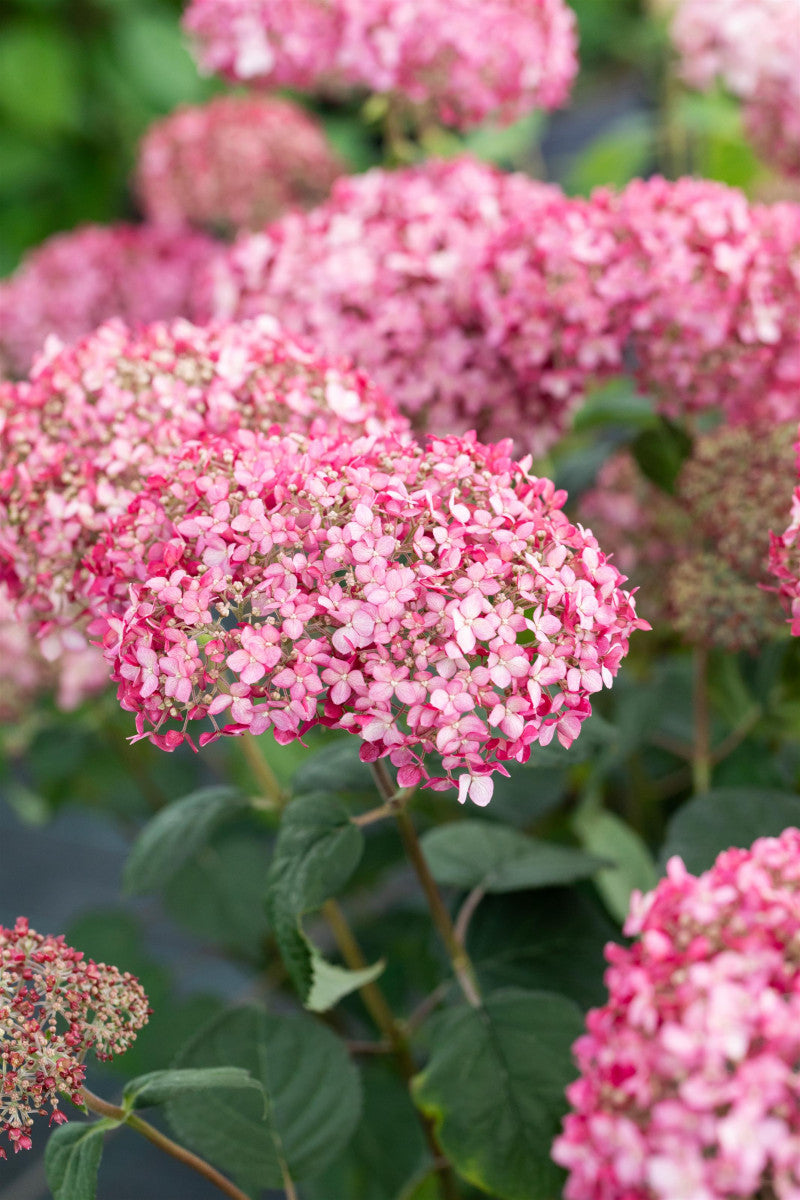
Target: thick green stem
(378, 1008)
(462, 967)
(701, 754)
(262, 772)
(103, 1109)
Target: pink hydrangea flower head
(236, 162)
(433, 601)
(478, 300)
(79, 439)
(714, 288)
(752, 46)
(689, 1086)
(74, 281)
(55, 1005)
(699, 556)
(462, 61)
(784, 554)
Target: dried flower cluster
(700, 555)
(784, 556)
(714, 284)
(752, 46)
(463, 60)
(432, 601)
(74, 281)
(234, 163)
(55, 1005)
(689, 1084)
(478, 300)
(79, 439)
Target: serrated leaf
(72, 1159)
(175, 834)
(317, 850)
(312, 1089)
(726, 817)
(329, 983)
(494, 1087)
(159, 1086)
(605, 834)
(474, 853)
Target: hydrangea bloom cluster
(97, 418)
(752, 46)
(700, 555)
(74, 281)
(478, 300)
(689, 1085)
(234, 163)
(431, 601)
(784, 556)
(463, 60)
(62, 664)
(713, 284)
(55, 1005)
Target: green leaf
(39, 77)
(387, 1149)
(615, 403)
(329, 983)
(551, 939)
(726, 817)
(494, 1087)
(72, 1159)
(474, 853)
(176, 834)
(154, 57)
(607, 835)
(317, 850)
(160, 1086)
(312, 1088)
(661, 452)
(335, 768)
(615, 157)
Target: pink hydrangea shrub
(55, 1005)
(431, 601)
(752, 46)
(74, 281)
(461, 60)
(478, 300)
(78, 440)
(714, 289)
(236, 162)
(689, 1084)
(784, 556)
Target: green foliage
(494, 1087)
(725, 817)
(607, 835)
(470, 853)
(160, 1086)
(176, 834)
(72, 1159)
(661, 452)
(313, 1098)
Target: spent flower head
(689, 1086)
(55, 1006)
(434, 602)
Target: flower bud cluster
(752, 46)
(689, 1074)
(234, 163)
(700, 555)
(77, 441)
(74, 281)
(55, 1005)
(462, 60)
(477, 299)
(434, 602)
